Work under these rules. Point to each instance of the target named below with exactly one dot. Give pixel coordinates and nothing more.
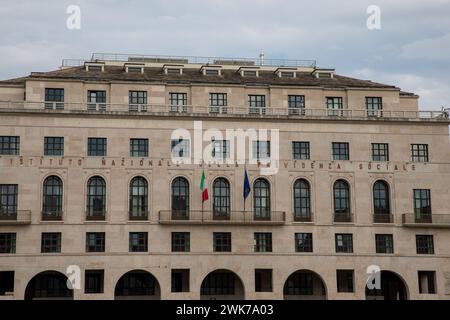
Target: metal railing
(423, 220)
(383, 218)
(52, 216)
(205, 110)
(16, 217)
(92, 215)
(138, 216)
(120, 57)
(343, 217)
(210, 217)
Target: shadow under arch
(48, 285)
(222, 284)
(304, 284)
(393, 287)
(137, 285)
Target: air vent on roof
(173, 68)
(249, 71)
(286, 72)
(211, 70)
(323, 73)
(94, 66)
(134, 67)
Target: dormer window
(249, 72)
(134, 68)
(210, 70)
(323, 73)
(173, 69)
(94, 66)
(286, 72)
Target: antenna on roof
(261, 57)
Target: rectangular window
(93, 281)
(300, 150)
(344, 243)
(220, 149)
(137, 101)
(427, 282)
(341, 151)
(384, 243)
(54, 98)
(380, 152)
(263, 280)
(54, 146)
(419, 152)
(424, 244)
(222, 241)
(180, 148)
(8, 201)
(345, 282)
(422, 205)
(263, 242)
(95, 242)
(6, 283)
(257, 104)
(303, 242)
(97, 147)
(181, 242)
(51, 242)
(334, 106)
(138, 147)
(218, 102)
(138, 241)
(9, 145)
(96, 100)
(178, 101)
(261, 149)
(249, 73)
(374, 105)
(296, 104)
(180, 280)
(7, 243)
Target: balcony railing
(14, 218)
(209, 217)
(225, 111)
(343, 217)
(52, 216)
(426, 220)
(383, 218)
(138, 216)
(95, 215)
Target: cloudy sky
(411, 50)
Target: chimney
(261, 58)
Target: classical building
(101, 183)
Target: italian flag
(203, 187)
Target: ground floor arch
(222, 284)
(48, 285)
(392, 287)
(137, 285)
(304, 285)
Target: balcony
(209, 217)
(428, 220)
(383, 218)
(15, 218)
(343, 217)
(222, 111)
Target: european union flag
(246, 185)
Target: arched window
(221, 198)
(341, 193)
(180, 198)
(302, 200)
(96, 198)
(381, 203)
(138, 199)
(52, 198)
(261, 199)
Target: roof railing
(192, 60)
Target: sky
(411, 49)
